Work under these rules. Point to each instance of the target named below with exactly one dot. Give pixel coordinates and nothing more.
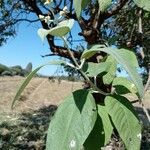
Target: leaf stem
(78, 67)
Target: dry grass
(40, 92)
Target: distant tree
(3, 68)
(15, 70)
(29, 67)
(7, 73)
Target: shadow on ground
(29, 132)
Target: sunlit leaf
(104, 4)
(126, 123)
(42, 33)
(124, 57)
(123, 86)
(73, 122)
(93, 69)
(145, 4)
(111, 72)
(79, 5)
(60, 30)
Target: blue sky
(27, 47)
(24, 48)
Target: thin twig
(148, 81)
(82, 73)
(140, 30)
(135, 101)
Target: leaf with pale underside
(124, 57)
(60, 30)
(145, 4)
(79, 5)
(104, 4)
(123, 86)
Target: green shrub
(3, 68)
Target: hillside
(40, 92)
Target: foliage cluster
(15, 70)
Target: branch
(53, 54)
(63, 52)
(148, 81)
(116, 9)
(27, 20)
(57, 50)
(140, 32)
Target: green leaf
(114, 52)
(145, 4)
(126, 123)
(102, 131)
(111, 73)
(60, 30)
(73, 122)
(79, 5)
(93, 69)
(96, 139)
(29, 77)
(92, 50)
(123, 86)
(108, 128)
(124, 57)
(68, 23)
(104, 4)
